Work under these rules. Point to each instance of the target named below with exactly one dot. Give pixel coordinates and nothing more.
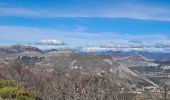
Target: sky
(91, 24)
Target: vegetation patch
(4, 83)
(9, 90)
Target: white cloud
(50, 42)
(132, 45)
(96, 49)
(99, 49)
(128, 45)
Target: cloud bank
(131, 46)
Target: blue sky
(75, 23)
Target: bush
(4, 83)
(9, 90)
(16, 92)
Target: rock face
(30, 60)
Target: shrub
(16, 92)
(4, 83)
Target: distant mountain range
(12, 49)
(163, 56)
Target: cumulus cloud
(50, 42)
